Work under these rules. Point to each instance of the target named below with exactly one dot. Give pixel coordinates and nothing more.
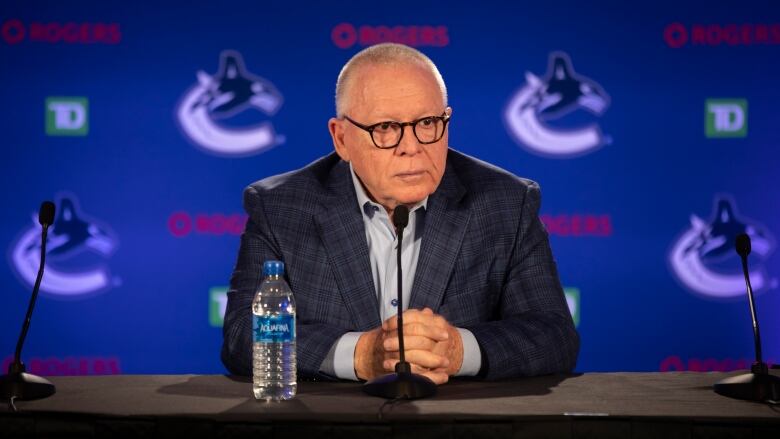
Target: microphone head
(46, 213)
(743, 244)
(400, 216)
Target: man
(480, 282)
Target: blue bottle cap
(273, 268)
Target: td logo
(67, 116)
(725, 118)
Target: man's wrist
(472, 354)
(364, 358)
(340, 361)
(455, 352)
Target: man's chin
(412, 199)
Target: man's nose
(409, 144)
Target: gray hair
(383, 54)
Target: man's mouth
(410, 175)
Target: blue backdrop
(652, 129)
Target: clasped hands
(432, 346)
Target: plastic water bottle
(273, 328)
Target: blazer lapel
(343, 235)
(446, 220)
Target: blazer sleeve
(258, 244)
(534, 333)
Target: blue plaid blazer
(485, 265)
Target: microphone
(46, 214)
(19, 384)
(401, 218)
(758, 385)
(743, 249)
(403, 384)
(400, 221)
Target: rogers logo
(15, 31)
(677, 35)
(346, 35)
(673, 363)
(181, 224)
(53, 366)
(578, 225)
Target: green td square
(67, 116)
(725, 118)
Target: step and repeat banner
(652, 129)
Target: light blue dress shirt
(382, 243)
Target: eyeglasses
(388, 134)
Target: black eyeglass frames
(388, 134)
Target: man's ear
(336, 128)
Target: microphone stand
(19, 384)
(403, 384)
(758, 384)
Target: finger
(410, 315)
(410, 342)
(419, 369)
(425, 315)
(433, 319)
(426, 359)
(426, 330)
(438, 375)
(416, 368)
(390, 363)
(422, 329)
(395, 355)
(440, 321)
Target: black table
(602, 405)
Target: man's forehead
(403, 72)
(383, 88)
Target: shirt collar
(367, 206)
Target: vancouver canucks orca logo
(704, 260)
(76, 249)
(229, 92)
(537, 105)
